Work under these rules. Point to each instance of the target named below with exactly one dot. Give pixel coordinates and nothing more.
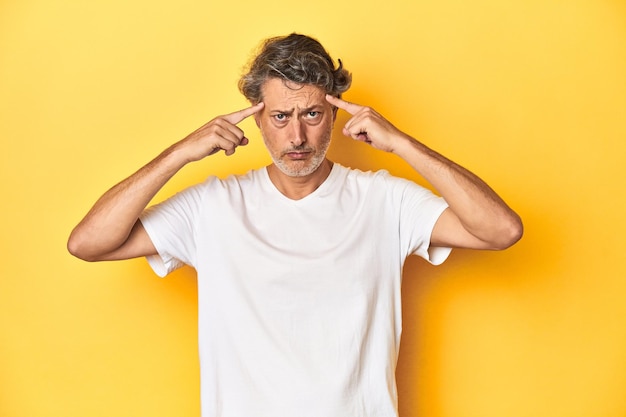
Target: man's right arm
(111, 230)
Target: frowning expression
(296, 125)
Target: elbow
(511, 232)
(77, 247)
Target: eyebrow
(315, 107)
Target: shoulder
(385, 185)
(231, 182)
(379, 177)
(212, 188)
(355, 173)
(373, 186)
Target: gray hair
(297, 59)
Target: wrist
(405, 145)
(173, 159)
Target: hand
(220, 133)
(366, 125)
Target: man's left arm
(477, 218)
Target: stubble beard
(302, 168)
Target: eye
(280, 117)
(313, 117)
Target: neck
(297, 188)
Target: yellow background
(529, 94)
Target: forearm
(479, 209)
(111, 229)
(109, 223)
(477, 218)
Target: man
(299, 264)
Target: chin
(297, 170)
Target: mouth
(297, 154)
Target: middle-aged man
(299, 263)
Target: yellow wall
(529, 94)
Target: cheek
(271, 135)
(322, 131)
(271, 132)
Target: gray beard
(291, 171)
(313, 164)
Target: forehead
(286, 95)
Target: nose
(298, 134)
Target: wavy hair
(294, 58)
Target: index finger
(240, 115)
(351, 108)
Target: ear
(257, 120)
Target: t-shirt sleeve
(170, 226)
(420, 210)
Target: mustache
(301, 148)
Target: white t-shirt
(299, 300)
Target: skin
(477, 218)
(296, 124)
(111, 230)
